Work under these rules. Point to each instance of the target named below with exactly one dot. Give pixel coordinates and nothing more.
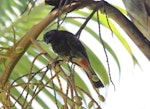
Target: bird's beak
(45, 41)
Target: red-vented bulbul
(66, 45)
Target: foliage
(35, 75)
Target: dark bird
(67, 45)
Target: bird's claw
(56, 61)
(70, 58)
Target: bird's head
(48, 37)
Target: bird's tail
(89, 71)
(93, 77)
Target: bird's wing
(76, 46)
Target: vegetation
(27, 66)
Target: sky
(132, 91)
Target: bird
(68, 46)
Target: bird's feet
(57, 61)
(70, 58)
